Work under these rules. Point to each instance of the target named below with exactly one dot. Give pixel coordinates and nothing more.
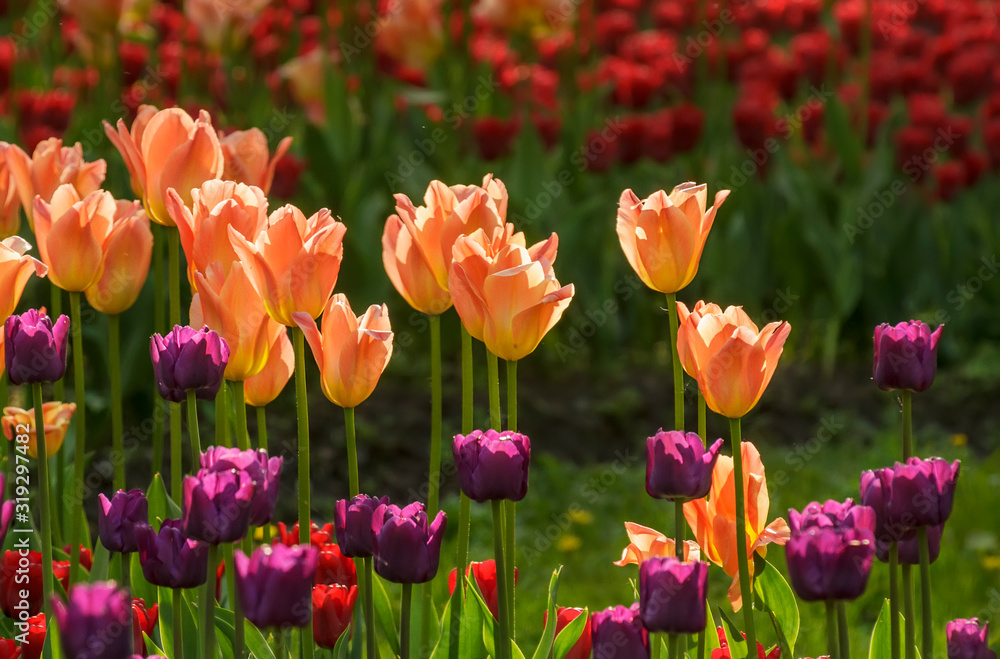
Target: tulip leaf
(881, 644)
(544, 648)
(444, 638)
(161, 506)
(164, 597)
(151, 647)
(140, 587)
(225, 630)
(711, 632)
(341, 648)
(101, 562)
(471, 636)
(737, 644)
(256, 644)
(569, 635)
(779, 604)
(384, 617)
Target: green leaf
(102, 560)
(711, 632)
(569, 635)
(161, 506)
(140, 587)
(737, 644)
(384, 617)
(881, 644)
(342, 647)
(779, 604)
(471, 634)
(544, 648)
(151, 647)
(444, 638)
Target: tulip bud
(678, 466)
(672, 595)
(969, 639)
(35, 349)
(905, 356)
(217, 506)
(617, 633)
(566, 615)
(485, 574)
(492, 465)
(275, 585)
(353, 524)
(406, 549)
(143, 622)
(188, 359)
(333, 610)
(169, 558)
(118, 517)
(907, 496)
(84, 621)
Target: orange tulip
(714, 520)
(57, 417)
(125, 264)
(294, 262)
(204, 228)
(15, 270)
(228, 304)
(701, 308)
(412, 32)
(351, 351)
(645, 542)
(509, 298)
(50, 166)
(410, 272)
(10, 218)
(732, 361)
(663, 235)
(247, 159)
(167, 149)
(264, 387)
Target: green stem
(208, 621)
(512, 396)
(493, 382)
(894, 599)
(58, 393)
(832, 646)
(701, 644)
(262, 444)
(845, 631)
(404, 622)
(502, 640)
(654, 646)
(177, 622)
(302, 413)
(676, 363)
(193, 432)
(221, 418)
(468, 366)
(239, 637)
(159, 325)
(45, 516)
(927, 622)
(174, 301)
(174, 275)
(281, 651)
(242, 428)
(55, 310)
(434, 473)
(117, 420)
(465, 503)
(702, 418)
(79, 457)
(509, 534)
(741, 532)
(176, 471)
(907, 425)
(673, 641)
(370, 609)
(353, 478)
(126, 586)
(909, 617)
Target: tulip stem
(434, 475)
(46, 517)
(894, 598)
(493, 379)
(404, 622)
(741, 532)
(174, 302)
(79, 462)
(262, 444)
(465, 503)
(511, 506)
(845, 631)
(701, 644)
(159, 325)
(176, 473)
(302, 413)
(352, 452)
(909, 617)
(177, 621)
(126, 567)
(702, 418)
(679, 529)
(193, 432)
(58, 393)
(907, 425)
(370, 609)
(220, 417)
(117, 422)
(239, 642)
(673, 645)
(676, 363)
(832, 645)
(501, 641)
(927, 622)
(209, 605)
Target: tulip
(57, 417)
(118, 517)
(732, 361)
(646, 543)
(50, 166)
(409, 270)
(261, 389)
(275, 585)
(353, 524)
(187, 359)
(84, 621)
(351, 351)
(29, 568)
(714, 521)
(10, 219)
(333, 611)
(222, 26)
(294, 262)
(968, 639)
(918, 493)
(413, 33)
(672, 595)
(6, 511)
(318, 537)
(246, 158)
(566, 615)
(678, 466)
(406, 549)
(34, 348)
(169, 558)
(97, 18)
(31, 648)
(167, 149)
(908, 550)
(701, 308)
(143, 622)
(264, 471)
(905, 356)
(617, 633)
(492, 465)
(485, 574)
(126, 255)
(724, 653)
(663, 235)
(333, 567)
(216, 507)
(304, 76)
(15, 270)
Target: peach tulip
(228, 304)
(663, 235)
(57, 417)
(167, 149)
(713, 520)
(50, 166)
(351, 351)
(204, 227)
(304, 75)
(412, 32)
(263, 388)
(97, 18)
(125, 264)
(71, 234)
(737, 317)
(509, 298)
(15, 270)
(294, 262)
(223, 25)
(410, 272)
(732, 361)
(645, 542)
(247, 159)
(10, 218)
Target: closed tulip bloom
(333, 611)
(169, 558)
(29, 567)
(247, 159)
(56, 416)
(646, 543)
(216, 506)
(736, 317)
(50, 166)
(409, 270)
(485, 574)
(86, 618)
(969, 639)
(617, 633)
(732, 361)
(664, 235)
(275, 585)
(261, 389)
(566, 615)
(918, 493)
(125, 258)
(6, 511)
(905, 356)
(143, 622)
(264, 471)
(35, 348)
(332, 567)
(16, 269)
(188, 359)
(117, 518)
(909, 549)
(672, 595)
(406, 549)
(318, 536)
(351, 351)
(167, 149)
(294, 262)
(492, 465)
(829, 563)
(678, 466)
(10, 219)
(353, 524)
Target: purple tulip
(6, 511)
(492, 465)
(905, 356)
(909, 549)
(170, 559)
(217, 506)
(117, 518)
(264, 471)
(35, 349)
(907, 496)
(617, 633)
(672, 595)
(275, 585)
(833, 514)
(352, 520)
(96, 622)
(968, 640)
(678, 466)
(406, 550)
(188, 359)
